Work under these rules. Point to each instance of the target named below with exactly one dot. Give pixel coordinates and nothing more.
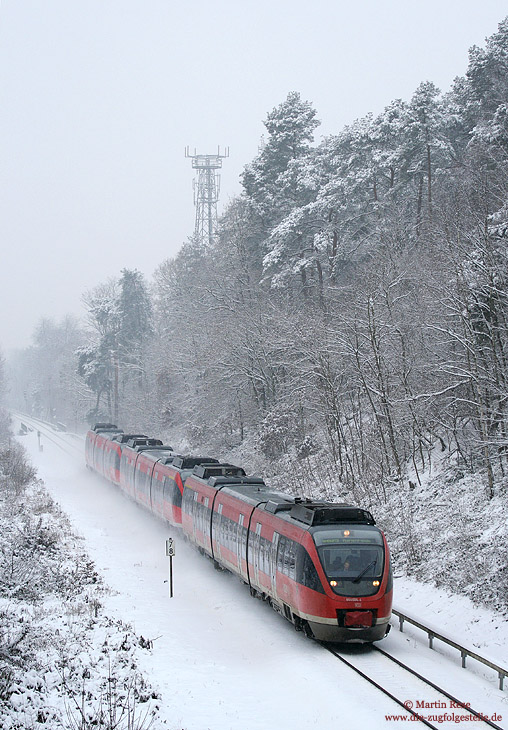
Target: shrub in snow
(63, 663)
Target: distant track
(355, 663)
(60, 439)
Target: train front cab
(353, 565)
(306, 574)
(290, 563)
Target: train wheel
(298, 623)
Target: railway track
(389, 676)
(72, 444)
(439, 709)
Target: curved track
(382, 670)
(70, 443)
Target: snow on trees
(350, 317)
(112, 365)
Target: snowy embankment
(64, 661)
(218, 658)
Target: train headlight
(375, 583)
(347, 533)
(333, 583)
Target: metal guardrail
(464, 652)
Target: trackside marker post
(170, 552)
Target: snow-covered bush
(63, 662)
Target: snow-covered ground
(221, 659)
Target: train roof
(298, 510)
(143, 441)
(189, 462)
(105, 427)
(233, 480)
(208, 470)
(163, 453)
(252, 490)
(107, 432)
(325, 513)
(123, 438)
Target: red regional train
(324, 566)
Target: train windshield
(352, 557)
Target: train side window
(268, 556)
(226, 531)
(291, 558)
(169, 489)
(186, 496)
(242, 530)
(173, 493)
(262, 554)
(233, 534)
(254, 545)
(256, 542)
(281, 566)
(156, 491)
(306, 572)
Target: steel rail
(455, 700)
(379, 687)
(48, 431)
(462, 705)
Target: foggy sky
(99, 98)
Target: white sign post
(170, 552)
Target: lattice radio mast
(206, 192)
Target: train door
(257, 553)
(193, 510)
(273, 561)
(218, 531)
(240, 544)
(153, 486)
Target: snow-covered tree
(112, 364)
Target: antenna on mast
(206, 192)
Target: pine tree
(134, 310)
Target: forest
(345, 334)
